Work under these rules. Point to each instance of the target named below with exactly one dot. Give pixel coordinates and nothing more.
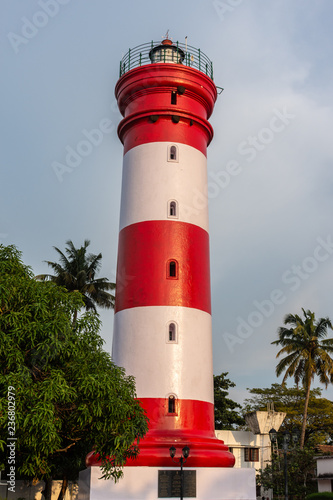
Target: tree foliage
(226, 410)
(307, 353)
(319, 422)
(77, 272)
(323, 495)
(69, 396)
(301, 472)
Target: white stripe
(150, 181)
(185, 368)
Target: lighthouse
(162, 328)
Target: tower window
(173, 153)
(172, 332)
(172, 209)
(172, 404)
(173, 97)
(172, 269)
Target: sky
(269, 165)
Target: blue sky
(270, 162)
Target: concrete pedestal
(141, 483)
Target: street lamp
(273, 436)
(181, 461)
(286, 440)
(295, 433)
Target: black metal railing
(191, 56)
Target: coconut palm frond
(306, 352)
(76, 271)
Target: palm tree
(307, 354)
(77, 272)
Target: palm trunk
(305, 414)
(63, 487)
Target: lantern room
(166, 52)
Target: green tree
(319, 423)
(69, 397)
(77, 273)
(300, 473)
(226, 410)
(307, 354)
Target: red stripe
(191, 417)
(144, 95)
(192, 426)
(143, 254)
(139, 129)
(150, 86)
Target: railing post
(199, 60)
(140, 58)
(129, 59)
(120, 65)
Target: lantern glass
(295, 435)
(273, 435)
(286, 437)
(166, 54)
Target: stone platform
(142, 483)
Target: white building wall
(324, 485)
(325, 466)
(239, 440)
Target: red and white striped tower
(162, 330)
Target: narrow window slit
(172, 404)
(172, 332)
(173, 153)
(172, 269)
(173, 209)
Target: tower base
(142, 483)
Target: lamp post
(181, 461)
(286, 441)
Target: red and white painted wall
(162, 329)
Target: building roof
(325, 448)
